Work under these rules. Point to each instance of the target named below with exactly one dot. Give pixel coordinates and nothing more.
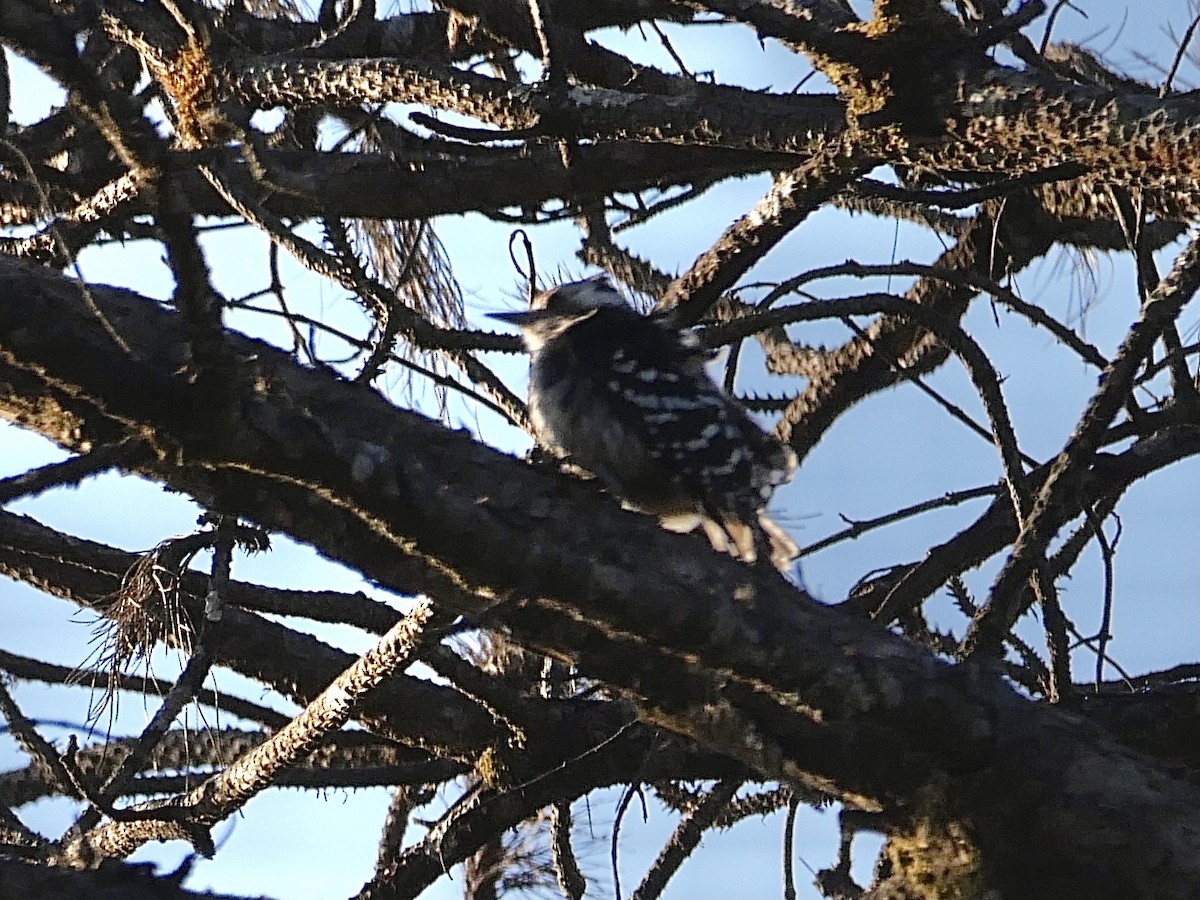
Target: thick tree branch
(892, 721)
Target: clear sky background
(895, 449)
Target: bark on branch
(804, 692)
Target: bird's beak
(547, 322)
(530, 318)
(516, 318)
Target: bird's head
(554, 311)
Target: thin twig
(1106, 610)
(566, 866)
(70, 471)
(857, 528)
(229, 790)
(685, 839)
(1033, 313)
(38, 748)
(1180, 53)
(1006, 603)
(413, 326)
(789, 850)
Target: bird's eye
(551, 300)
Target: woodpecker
(626, 397)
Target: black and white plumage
(627, 398)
